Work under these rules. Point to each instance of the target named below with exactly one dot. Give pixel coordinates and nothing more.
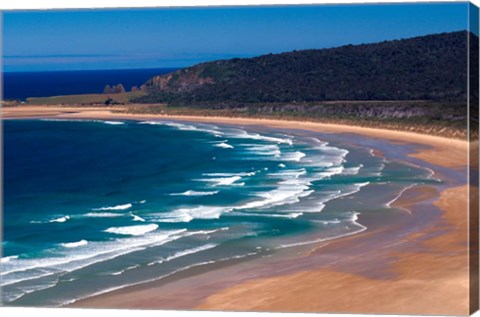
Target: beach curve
(407, 266)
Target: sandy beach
(399, 267)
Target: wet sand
(429, 276)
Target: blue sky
(178, 37)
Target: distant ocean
(92, 206)
(22, 85)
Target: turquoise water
(92, 206)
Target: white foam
(191, 251)
(389, 204)
(59, 120)
(230, 174)
(277, 197)
(328, 222)
(7, 259)
(264, 149)
(61, 219)
(290, 173)
(353, 219)
(206, 232)
(222, 181)
(186, 127)
(84, 120)
(332, 150)
(188, 214)
(117, 207)
(294, 156)
(429, 170)
(173, 217)
(18, 293)
(74, 244)
(352, 170)
(318, 141)
(291, 215)
(125, 270)
(152, 122)
(289, 191)
(224, 145)
(137, 218)
(330, 155)
(255, 136)
(319, 206)
(184, 253)
(102, 215)
(18, 270)
(351, 189)
(281, 165)
(379, 169)
(195, 193)
(132, 230)
(330, 171)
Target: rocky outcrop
(185, 80)
(115, 89)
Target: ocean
(22, 85)
(92, 206)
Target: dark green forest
(432, 67)
(417, 84)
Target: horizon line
(226, 57)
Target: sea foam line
(195, 193)
(74, 244)
(224, 145)
(126, 269)
(71, 263)
(132, 230)
(389, 204)
(289, 191)
(230, 174)
(263, 149)
(61, 219)
(109, 248)
(291, 215)
(137, 218)
(114, 122)
(26, 290)
(222, 181)
(186, 127)
(189, 214)
(102, 215)
(117, 207)
(183, 253)
(242, 134)
(7, 259)
(352, 170)
(353, 220)
(160, 277)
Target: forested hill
(432, 67)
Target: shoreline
(456, 149)
(405, 262)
